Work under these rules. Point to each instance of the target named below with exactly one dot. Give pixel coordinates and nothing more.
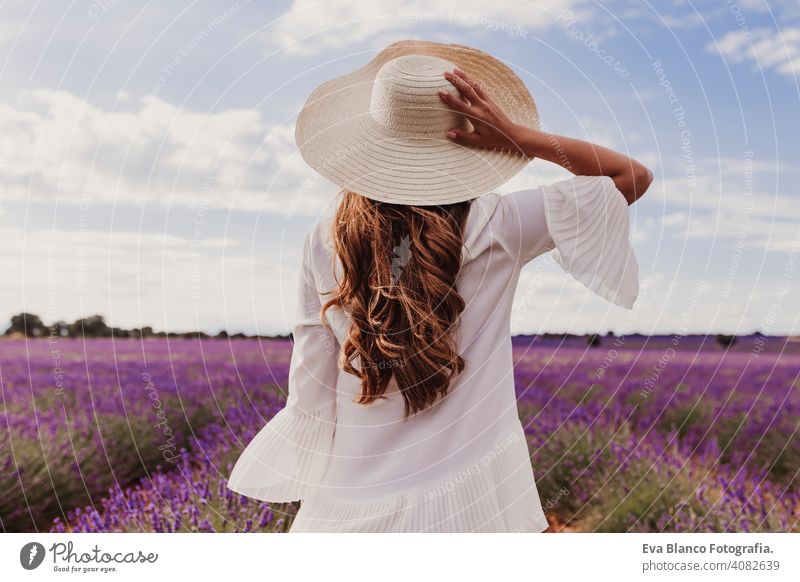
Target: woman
(401, 412)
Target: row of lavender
(622, 438)
(617, 463)
(80, 417)
(653, 438)
(741, 407)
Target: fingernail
(451, 134)
(457, 70)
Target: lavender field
(635, 434)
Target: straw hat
(380, 130)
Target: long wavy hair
(399, 269)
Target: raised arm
(586, 159)
(493, 129)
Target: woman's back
(404, 418)
(375, 446)
(471, 437)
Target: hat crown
(405, 97)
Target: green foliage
(28, 325)
(725, 340)
(685, 416)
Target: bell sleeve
(288, 457)
(584, 221)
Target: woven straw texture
(380, 130)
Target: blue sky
(148, 170)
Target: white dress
(462, 465)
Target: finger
(463, 87)
(474, 84)
(464, 137)
(455, 103)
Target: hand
(493, 128)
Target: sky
(148, 170)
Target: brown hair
(399, 268)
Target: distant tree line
(94, 326)
(594, 340)
(30, 325)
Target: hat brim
(338, 137)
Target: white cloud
(312, 27)
(58, 146)
(549, 300)
(721, 208)
(161, 280)
(766, 48)
(685, 20)
(755, 232)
